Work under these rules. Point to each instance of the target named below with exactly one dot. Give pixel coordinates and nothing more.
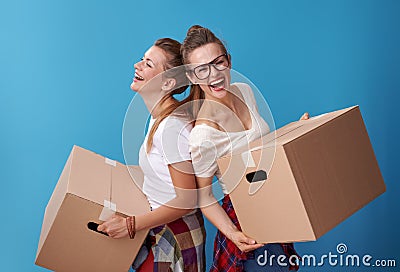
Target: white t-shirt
(170, 145)
(207, 143)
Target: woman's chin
(133, 87)
(219, 93)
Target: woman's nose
(137, 65)
(214, 72)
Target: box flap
(90, 176)
(290, 131)
(306, 126)
(126, 193)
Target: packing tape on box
(109, 210)
(256, 148)
(110, 162)
(248, 160)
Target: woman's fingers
(247, 248)
(117, 235)
(305, 116)
(115, 227)
(105, 225)
(245, 243)
(242, 238)
(101, 227)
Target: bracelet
(130, 225)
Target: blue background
(66, 67)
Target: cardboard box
(299, 182)
(90, 185)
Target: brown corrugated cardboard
(313, 175)
(87, 181)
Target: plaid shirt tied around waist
(227, 256)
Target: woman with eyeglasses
(226, 118)
(177, 237)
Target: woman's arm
(184, 202)
(218, 217)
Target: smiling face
(152, 64)
(211, 60)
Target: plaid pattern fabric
(180, 245)
(227, 256)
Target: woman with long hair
(177, 234)
(226, 119)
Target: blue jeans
(265, 261)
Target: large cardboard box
(90, 185)
(299, 182)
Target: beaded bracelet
(130, 225)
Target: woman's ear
(168, 84)
(230, 61)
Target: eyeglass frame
(211, 63)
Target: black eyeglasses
(220, 63)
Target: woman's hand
(115, 227)
(243, 242)
(305, 116)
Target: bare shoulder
(242, 89)
(207, 117)
(206, 121)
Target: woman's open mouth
(217, 85)
(137, 77)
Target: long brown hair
(198, 36)
(172, 49)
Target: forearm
(212, 209)
(159, 216)
(219, 218)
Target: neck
(228, 100)
(156, 105)
(162, 106)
